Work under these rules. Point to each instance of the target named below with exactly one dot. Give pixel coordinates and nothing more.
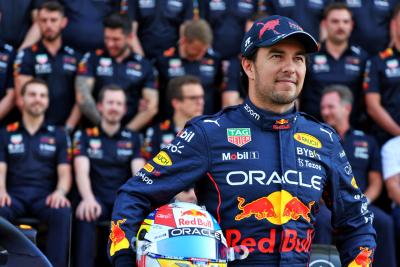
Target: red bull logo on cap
(269, 26)
(278, 208)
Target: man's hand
(5, 199)
(88, 210)
(57, 200)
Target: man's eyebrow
(280, 51)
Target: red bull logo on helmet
(278, 208)
(193, 218)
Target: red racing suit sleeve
(351, 218)
(173, 169)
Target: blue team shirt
(325, 70)
(159, 22)
(382, 76)
(59, 73)
(85, 29)
(16, 19)
(208, 69)
(363, 154)
(227, 20)
(133, 74)
(371, 23)
(158, 137)
(32, 160)
(110, 158)
(308, 13)
(231, 70)
(6, 68)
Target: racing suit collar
(268, 120)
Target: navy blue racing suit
(261, 175)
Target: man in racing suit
(244, 163)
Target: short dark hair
(345, 94)
(33, 81)
(336, 6)
(117, 21)
(174, 88)
(109, 87)
(53, 6)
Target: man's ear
(248, 67)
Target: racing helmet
(180, 235)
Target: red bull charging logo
(363, 259)
(278, 208)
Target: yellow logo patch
(148, 167)
(353, 183)
(307, 139)
(162, 159)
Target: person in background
(337, 62)
(35, 173)
(382, 87)
(186, 96)
(193, 55)
(117, 64)
(372, 21)
(54, 62)
(105, 157)
(18, 22)
(156, 24)
(364, 156)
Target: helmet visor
(190, 246)
(185, 263)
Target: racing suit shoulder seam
(207, 144)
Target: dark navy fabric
(231, 69)
(85, 29)
(208, 69)
(382, 76)
(59, 73)
(16, 19)
(133, 74)
(385, 253)
(371, 23)
(7, 54)
(307, 13)
(86, 235)
(158, 137)
(364, 156)
(110, 158)
(227, 20)
(30, 201)
(159, 22)
(32, 159)
(280, 163)
(325, 70)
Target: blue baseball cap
(270, 30)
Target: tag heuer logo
(238, 136)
